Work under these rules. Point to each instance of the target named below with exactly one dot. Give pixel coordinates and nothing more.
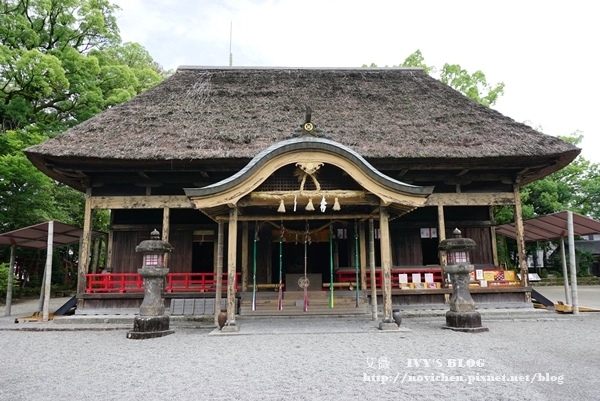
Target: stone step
(299, 311)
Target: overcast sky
(546, 52)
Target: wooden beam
(140, 202)
(86, 243)
(494, 239)
(372, 270)
(95, 254)
(219, 271)
(441, 236)
(166, 228)
(109, 250)
(244, 256)
(272, 198)
(174, 227)
(109, 245)
(363, 255)
(386, 265)
(292, 216)
(231, 265)
(455, 223)
(471, 199)
(520, 231)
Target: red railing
(349, 276)
(109, 282)
(199, 282)
(132, 282)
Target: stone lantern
(462, 315)
(152, 321)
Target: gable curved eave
(317, 150)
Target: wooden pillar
(86, 243)
(372, 270)
(216, 253)
(95, 255)
(10, 279)
(494, 239)
(441, 237)
(108, 250)
(219, 270)
(386, 264)
(166, 227)
(362, 254)
(245, 256)
(520, 237)
(109, 246)
(48, 272)
(231, 265)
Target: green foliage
(417, 60)
(3, 279)
(585, 262)
(474, 86)
(576, 187)
(25, 193)
(61, 62)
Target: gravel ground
(309, 359)
(535, 355)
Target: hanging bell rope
(280, 290)
(356, 250)
(305, 282)
(256, 228)
(331, 265)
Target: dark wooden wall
(124, 257)
(180, 260)
(126, 260)
(483, 238)
(406, 247)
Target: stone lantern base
(469, 322)
(149, 327)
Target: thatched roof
(234, 113)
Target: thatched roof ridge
(211, 113)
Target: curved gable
(308, 150)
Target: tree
(61, 62)
(417, 60)
(25, 193)
(576, 187)
(474, 86)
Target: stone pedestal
(230, 328)
(464, 321)
(387, 325)
(149, 327)
(462, 315)
(152, 321)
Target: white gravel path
(313, 359)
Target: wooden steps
(267, 304)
